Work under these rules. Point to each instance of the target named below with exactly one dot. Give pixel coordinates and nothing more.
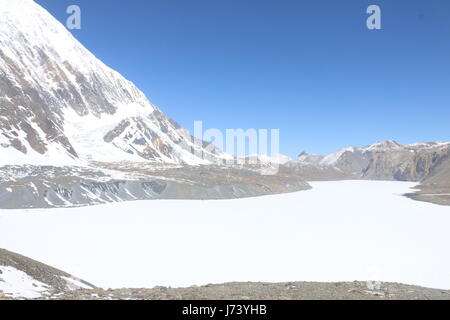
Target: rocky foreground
(265, 291)
(47, 283)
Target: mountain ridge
(386, 160)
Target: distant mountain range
(387, 160)
(426, 163)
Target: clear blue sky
(310, 68)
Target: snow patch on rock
(17, 284)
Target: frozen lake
(339, 231)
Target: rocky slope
(21, 277)
(59, 104)
(439, 176)
(435, 188)
(24, 187)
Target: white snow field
(339, 231)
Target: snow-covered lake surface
(339, 231)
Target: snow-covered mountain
(308, 159)
(59, 104)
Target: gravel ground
(263, 291)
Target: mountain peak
(388, 144)
(60, 104)
(334, 157)
(308, 159)
(303, 154)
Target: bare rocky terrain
(436, 187)
(431, 193)
(61, 289)
(24, 187)
(269, 291)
